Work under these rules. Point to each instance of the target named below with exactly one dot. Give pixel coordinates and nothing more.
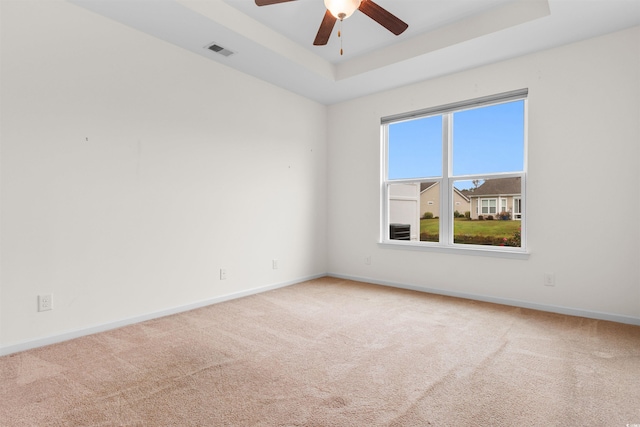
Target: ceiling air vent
(221, 50)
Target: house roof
(426, 185)
(498, 186)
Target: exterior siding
(430, 201)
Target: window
(488, 206)
(454, 176)
(517, 208)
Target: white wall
(132, 171)
(584, 133)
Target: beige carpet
(331, 352)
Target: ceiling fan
(342, 9)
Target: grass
(464, 229)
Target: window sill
(487, 251)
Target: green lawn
(495, 229)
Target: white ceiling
(275, 43)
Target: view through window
(455, 175)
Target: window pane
(414, 209)
(489, 139)
(415, 148)
(430, 211)
(484, 225)
(403, 211)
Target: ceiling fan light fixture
(342, 9)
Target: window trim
(504, 97)
(446, 244)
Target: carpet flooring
(332, 352)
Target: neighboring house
(430, 199)
(495, 196)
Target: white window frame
(446, 182)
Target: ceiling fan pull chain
(340, 35)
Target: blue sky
(485, 140)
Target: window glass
(489, 139)
(485, 224)
(430, 211)
(414, 207)
(415, 148)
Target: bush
(467, 215)
(490, 218)
(427, 215)
(480, 217)
(504, 215)
(457, 214)
(479, 240)
(516, 240)
(426, 237)
(487, 240)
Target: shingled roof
(426, 184)
(498, 186)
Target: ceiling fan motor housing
(342, 9)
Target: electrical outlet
(223, 274)
(45, 302)
(549, 279)
(274, 264)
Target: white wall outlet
(549, 279)
(274, 264)
(223, 274)
(367, 260)
(45, 302)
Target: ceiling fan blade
(268, 2)
(326, 27)
(383, 17)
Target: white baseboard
(65, 336)
(504, 301)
